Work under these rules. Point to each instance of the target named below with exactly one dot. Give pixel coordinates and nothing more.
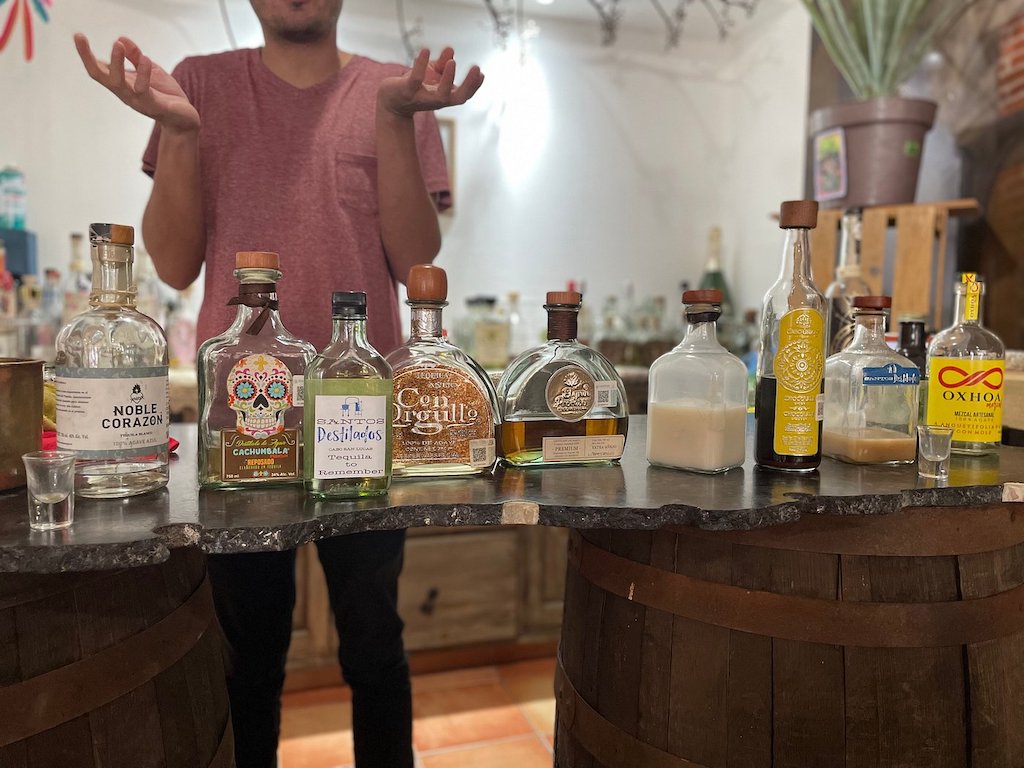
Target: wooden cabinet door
(314, 641)
(543, 579)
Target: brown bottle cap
(798, 214)
(257, 260)
(704, 296)
(118, 234)
(564, 297)
(427, 283)
(872, 302)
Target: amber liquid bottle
(791, 361)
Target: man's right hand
(148, 90)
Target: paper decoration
(25, 9)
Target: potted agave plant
(868, 152)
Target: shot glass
(933, 444)
(50, 477)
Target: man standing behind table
(312, 152)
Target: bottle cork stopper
(798, 214)
(872, 302)
(427, 283)
(564, 297)
(704, 296)
(118, 234)
(257, 260)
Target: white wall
(580, 162)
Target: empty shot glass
(50, 477)
(933, 444)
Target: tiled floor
(496, 717)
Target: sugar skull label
(259, 392)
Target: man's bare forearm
(172, 226)
(408, 218)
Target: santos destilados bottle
(348, 409)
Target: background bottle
(347, 419)
(791, 358)
(77, 285)
(965, 375)
(848, 284)
(111, 367)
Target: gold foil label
(967, 395)
(972, 301)
(440, 415)
(799, 367)
(570, 393)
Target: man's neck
(303, 65)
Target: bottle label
(441, 415)
(244, 457)
(799, 366)
(891, 375)
(350, 436)
(570, 393)
(972, 301)
(590, 448)
(112, 413)
(967, 395)
(261, 390)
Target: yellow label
(967, 395)
(799, 366)
(972, 300)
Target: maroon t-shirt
(294, 170)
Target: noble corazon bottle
(966, 367)
(791, 361)
(111, 366)
(562, 402)
(250, 387)
(445, 410)
(347, 416)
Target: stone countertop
(141, 530)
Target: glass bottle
(485, 335)
(697, 401)
(445, 411)
(348, 409)
(791, 356)
(965, 375)
(562, 402)
(111, 372)
(871, 394)
(912, 346)
(714, 279)
(250, 382)
(53, 297)
(8, 309)
(35, 328)
(77, 286)
(849, 282)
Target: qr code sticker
(819, 407)
(481, 452)
(606, 394)
(298, 391)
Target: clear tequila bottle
(111, 370)
(966, 367)
(348, 409)
(848, 284)
(562, 402)
(870, 394)
(445, 408)
(251, 387)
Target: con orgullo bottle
(562, 402)
(445, 410)
(251, 387)
(111, 366)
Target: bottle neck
(426, 320)
(849, 245)
(796, 257)
(868, 329)
(966, 308)
(112, 283)
(562, 323)
(701, 331)
(256, 300)
(349, 332)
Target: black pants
(255, 595)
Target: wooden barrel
(119, 669)
(893, 640)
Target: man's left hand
(428, 86)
